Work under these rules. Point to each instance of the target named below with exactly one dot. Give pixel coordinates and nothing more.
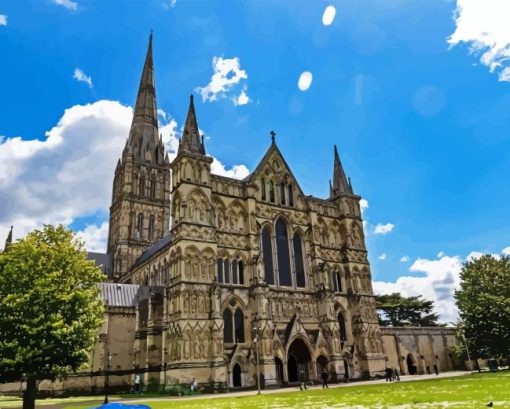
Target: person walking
(388, 374)
(138, 381)
(302, 380)
(325, 377)
(396, 374)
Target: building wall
(422, 347)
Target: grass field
(470, 391)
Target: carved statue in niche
(196, 347)
(253, 222)
(194, 304)
(191, 207)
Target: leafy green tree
(398, 311)
(483, 301)
(50, 309)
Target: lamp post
(256, 330)
(107, 356)
(107, 380)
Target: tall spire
(340, 183)
(143, 135)
(8, 241)
(191, 140)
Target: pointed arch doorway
(298, 359)
(236, 376)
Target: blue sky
(422, 124)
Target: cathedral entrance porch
(298, 360)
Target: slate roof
(102, 260)
(123, 295)
(148, 253)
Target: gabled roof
(157, 246)
(273, 150)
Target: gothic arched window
(152, 188)
(139, 227)
(235, 278)
(290, 194)
(282, 193)
(226, 271)
(240, 269)
(228, 336)
(142, 186)
(267, 252)
(337, 282)
(341, 326)
(219, 270)
(282, 249)
(271, 191)
(151, 227)
(239, 325)
(263, 189)
(298, 261)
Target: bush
(178, 390)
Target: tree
(50, 308)
(398, 311)
(483, 301)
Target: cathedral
(224, 281)
(233, 263)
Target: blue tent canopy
(121, 406)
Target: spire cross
(273, 134)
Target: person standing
(302, 380)
(396, 374)
(137, 388)
(325, 377)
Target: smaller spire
(340, 183)
(273, 136)
(191, 140)
(8, 241)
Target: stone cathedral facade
(232, 261)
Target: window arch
(142, 186)
(271, 191)
(235, 277)
(239, 325)
(336, 279)
(139, 226)
(228, 336)
(282, 193)
(226, 271)
(151, 227)
(219, 270)
(240, 270)
(341, 327)
(263, 188)
(267, 252)
(298, 261)
(290, 194)
(152, 188)
(282, 248)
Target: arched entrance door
(322, 363)
(279, 370)
(298, 360)
(236, 375)
(411, 368)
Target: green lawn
(471, 391)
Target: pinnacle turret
(8, 241)
(191, 140)
(340, 185)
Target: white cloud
(440, 254)
(227, 76)
(404, 259)
(383, 228)
(68, 4)
(483, 25)
(506, 251)
(242, 98)
(329, 15)
(363, 204)
(382, 256)
(438, 282)
(3, 20)
(95, 237)
(168, 4)
(69, 173)
(80, 76)
(305, 80)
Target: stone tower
(140, 210)
(366, 342)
